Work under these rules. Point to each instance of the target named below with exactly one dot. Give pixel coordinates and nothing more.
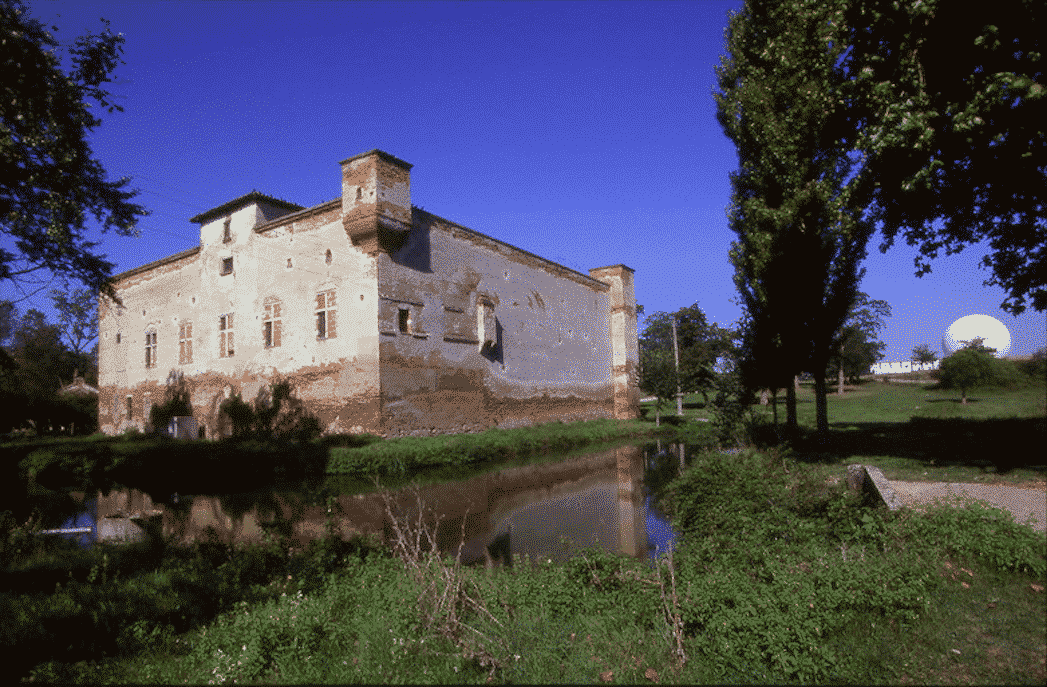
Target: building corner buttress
(625, 349)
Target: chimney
(376, 201)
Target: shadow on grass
(993, 445)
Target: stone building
(384, 318)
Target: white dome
(994, 333)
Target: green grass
(916, 432)
(782, 578)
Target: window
(226, 235)
(130, 400)
(405, 321)
(150, 349)
(271, 326)
(325, 315)
(227, 265)
(147, 405)
(118, 337)
(185, 343)
(328, 257)
(225, 336)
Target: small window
(185, 343)
(226, 234)
(272, 325)
(225, 336)
(289, 263)
(150, 349)
(405, 321)
(130, 401)
(326, 315)
(328, 256)
(359, 193)
(227, 265)
(118, 337)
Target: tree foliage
(859, 347)
(923, 354)
(700, 342)
(34, 365)
(951, 103)
(798, 196)
(968, 367)
(77, 316)
(50, 183)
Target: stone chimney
(625, 349)
(376, 201)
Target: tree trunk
(839, 390)
(790, 410)
(764, 396)
(963, 396)
(821, 401)
(774, 407)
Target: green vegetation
(408, 455)
(782, 575)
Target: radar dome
(993, 332)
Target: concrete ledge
(869, 479)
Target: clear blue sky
(582, 132)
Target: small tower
(625, 349)
(376, 201)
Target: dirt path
(1021, 501)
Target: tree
(799, 194)
(78, 316)
(858, 346)
(951, 104)
(49, 181)
(966, 368)
(923, 354)
(700, 342)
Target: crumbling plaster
(438, 328)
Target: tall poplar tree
(800, 190)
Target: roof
(237, 203)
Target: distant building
(902, 366)
(384, 318)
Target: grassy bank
(408, 455)
(782, 577)
(214, 466)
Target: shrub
(176, 403)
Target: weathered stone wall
(286, 263)
(546, 352)
(429, 327)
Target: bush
(176, 403)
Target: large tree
(701, 343)
(50, 182)
(951, 106)
(859, 348)
(799, 194)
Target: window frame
(272, 323)
(226, 340)
(150, 348)
(326, 317)
(227, 266)
(185, 342)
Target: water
(545, 510)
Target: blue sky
(582, 132)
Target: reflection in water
(546, 510)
